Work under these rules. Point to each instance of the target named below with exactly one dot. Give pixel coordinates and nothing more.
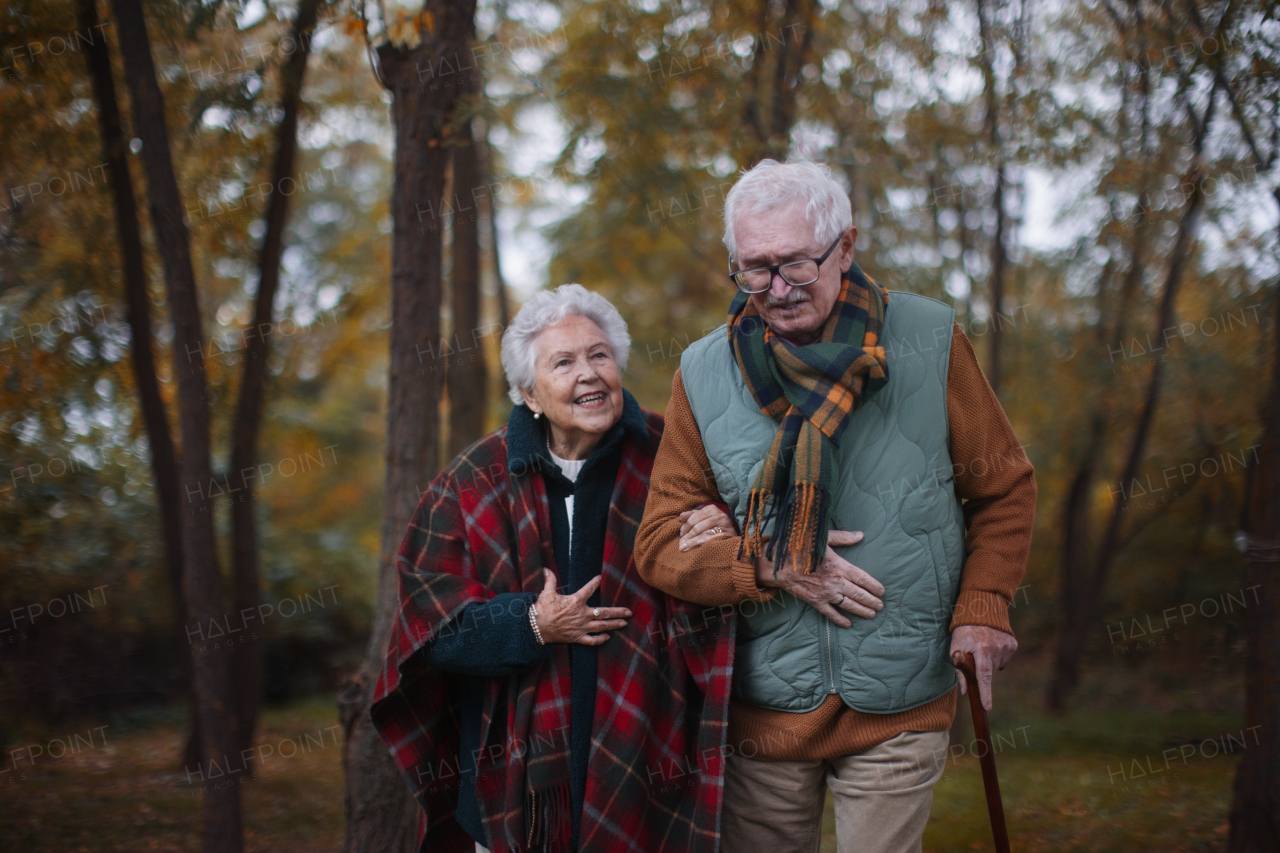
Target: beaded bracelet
(533, 620)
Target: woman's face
(577, 384)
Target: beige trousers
(881, 796)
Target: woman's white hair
(771, 185)
(545, 309)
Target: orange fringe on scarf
(801, 544)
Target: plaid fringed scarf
(812, 391)
(655, 778)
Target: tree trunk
(770, 108)
(1080, 603)
(1082, 594)
(164, 462)
(791, 57)
(1077, 527)
(221, 830)
(963, 236)
(992, 122)
(465, 372)
(753, 119)
(995, 358)
(246, 661)
(424, 83)
(1255, 802)
(491, 200)
(1076, 538)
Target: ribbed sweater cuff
(975, 607)
(744, 581)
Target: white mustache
(795, 297)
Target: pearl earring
(537, 415)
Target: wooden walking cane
(963, 661)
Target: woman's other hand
(704, 524)
(569, 619)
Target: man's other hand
(991, 649)
(837, 585)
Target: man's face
(796, 313)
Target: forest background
(252, 289)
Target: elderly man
(885, 510)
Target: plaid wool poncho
(655, 775)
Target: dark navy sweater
(495, 639)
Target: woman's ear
(531, 401)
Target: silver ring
(596, 613)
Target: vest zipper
(831, 666)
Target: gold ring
(717, 531)
(596, 613)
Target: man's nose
(778, 286)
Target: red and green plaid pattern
(812, 391)
(656, 772)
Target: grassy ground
(123, 793)
(1154, 775)
(1069, 784)
(1116, 783)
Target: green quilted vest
(895, 484)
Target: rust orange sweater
(993, 477)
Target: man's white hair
(771, 186)
(545, 309)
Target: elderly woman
(537, 694)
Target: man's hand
(834, 586)
(991, 650)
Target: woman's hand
(704, 524)
(568, 618)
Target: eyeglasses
(795, 273)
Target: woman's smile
(577, 386)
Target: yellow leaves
(352, 24)
(406, 30)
